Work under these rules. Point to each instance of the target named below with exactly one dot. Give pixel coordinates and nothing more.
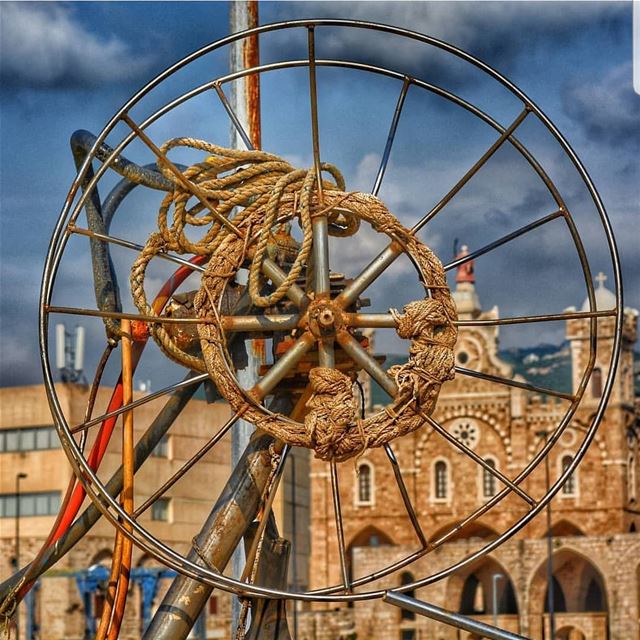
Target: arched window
(441, 480)
(570, 487)
(489, 480)
(365, 484)
(596, 383)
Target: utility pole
(245, 102)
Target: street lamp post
(494, 594)
(550, 595)
(19, 476)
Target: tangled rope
(263, 186)
(266, 190)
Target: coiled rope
(268, 190)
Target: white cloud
(44, 45)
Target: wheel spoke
(186, 466)
(272, 489)
(514, 383)
(506, 134)
(278, 276)
(276, 322)
(76, 311)
(510, 236)
(392, 134)
(364, 359)
(280, 369)
(337, 510)
(313, 99)
(370, 320)
(187, 184)
(438, 428)
(134, 246)
(233, 117)
(140, 401)
(570, 315)
(405, 495)
(387, 256)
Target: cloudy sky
(68, 66)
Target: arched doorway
(485, 591)
(368, 537)
(580, 608)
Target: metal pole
(449, 617)
(19, 476)
(550, 594)
(494, 594)
(245, 102)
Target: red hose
(101, 443)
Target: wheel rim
(95, 488)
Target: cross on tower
(601, 279)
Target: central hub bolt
(326, 318)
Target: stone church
(592, 543)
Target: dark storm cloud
(500, 33)
(608, 110)
(43, 45)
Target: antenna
(61, 347)
(70, 356)
(78, 360)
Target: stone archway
(473, 592)
(580, 607)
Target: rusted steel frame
(321, 282)
(233, 512)
(405, 496)
(146, 444)
(196, 457)
(506, 238)
(387, 256)
(458, 620)
(355, 351)
(337, 511)
(275, 322)
(392, 134)
(272, 488)
(187, 382)
(245, 54)
(127, 244)
(185, 182)
(514, 383)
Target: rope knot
(333, 410)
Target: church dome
(605, 299)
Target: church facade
(593, 542)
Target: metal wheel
(131, 129)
